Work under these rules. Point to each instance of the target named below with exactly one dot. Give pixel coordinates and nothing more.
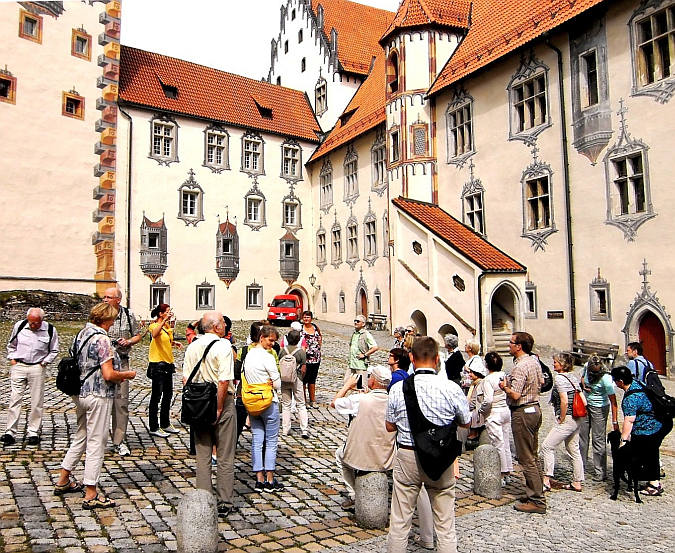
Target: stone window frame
(326, 183)
(418, 125)
(321, 254)
(342, 308)
(529, 69)
(165, 121)
(661, 90)
(10, 84)
(291, 145)
(34, 37)
(159, 285)
(252, 287)
(352, 242)
(303, 65)
(597, 288)
(370, 219)
(461, 101)
(351, 175)
(321, 96)
(253, 137)
(72, 104)
(586, 86)
(286, 47)
(191, 186)
(377, 301)
(84, 38)
(538, 235)
(472, 189)
(212, 295)
(336, 245)
(530, 300)
(385, 233)
(378, 154)
(300, 37)
(394, 141)
(291, 199)
(217, 131)
(255, 193)
(324, 302)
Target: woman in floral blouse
(311, 336)
(100, 370)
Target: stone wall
(58, 306)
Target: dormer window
(264, 111)
(170, 92)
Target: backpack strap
(126, 311)
(77, 355)
(194, 371)
(22, 325)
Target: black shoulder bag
(68, 375)
(200, 399)
(436, 447)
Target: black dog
(624, 465)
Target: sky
(230, 35)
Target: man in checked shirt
(441, 401)
(33, 344)
(522, 389)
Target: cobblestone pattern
(306, 516)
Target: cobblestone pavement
(307, 515)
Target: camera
(359, 382)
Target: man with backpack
(637, 364)
(123, 334)
(361, 346)
(33, 344)
(292, 366)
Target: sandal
(73, 486)
(98, 502)
(571, 488)
(556, 485)
(652, 490)
(546, 488)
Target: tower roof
(412, 14)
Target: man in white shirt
(33, 344)
(217, 367)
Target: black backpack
(662, 403)
(68, 375)
(548, 377)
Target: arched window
(393, 73)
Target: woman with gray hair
(566, 427)
(455, 362)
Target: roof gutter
(568, 193)
(129, 166)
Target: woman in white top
(474, 363)
(497, 413)
(259, 368)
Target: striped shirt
(440, 400)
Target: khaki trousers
(348, 475)
(93, 415)
(567, 432)
(22, 377)
(223, 435)
(525, 428)
(288, 392)
(408, 479)
(120, 410)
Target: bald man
(123, 334)
(34, 343)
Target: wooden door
(364, 303)
(653, 338)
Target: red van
(284, 308)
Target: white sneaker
(123, 450)
(171, 429)
(160, 433)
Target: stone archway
(419, 319)
(447, 328)
(504, 316)
(300, 292)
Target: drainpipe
(480, 310)
(568, 193)
(129, 164)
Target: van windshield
(283, 303)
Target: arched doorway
(363, 302)
(420, 321)
(302, 295)
(447, 328)
(653, 337)
(504, 317)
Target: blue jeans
(265, 428)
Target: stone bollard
(197, 523)
(371, 504)
(484, 438)
(487, 472)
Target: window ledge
(530, 135)
(539, 236)
(662, 91)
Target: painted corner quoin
(106, 148)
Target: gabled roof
(367, 107)
(358, 28)
(459, 237)
(214, 95)
(227, 228)
(412, 14)
(498, 28)
(150, 224)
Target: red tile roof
(215, 95)
(150, 224)
(458, 236)
(367, 106)
(228, 227)
(358, 27)
(498, 28)
(418, 13)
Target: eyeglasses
(110, 297)
(513, 343)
